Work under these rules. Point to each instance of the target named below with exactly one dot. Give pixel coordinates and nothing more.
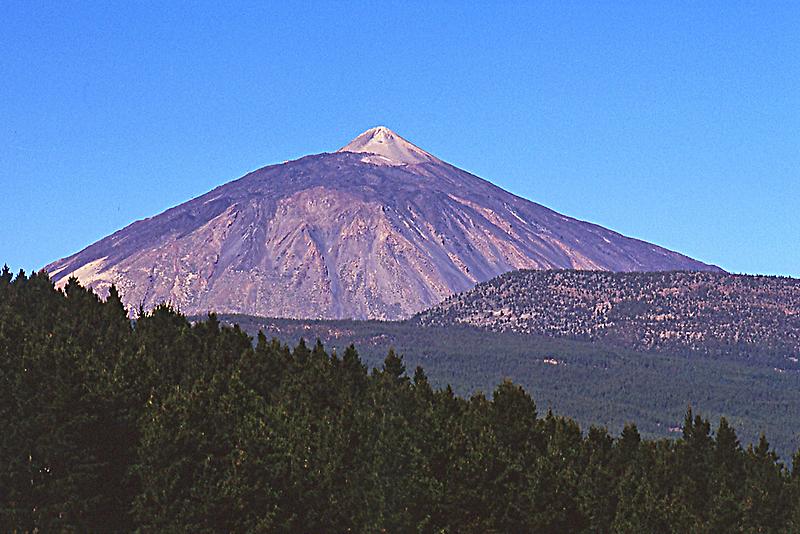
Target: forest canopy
(161, 424)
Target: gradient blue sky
(673, 122)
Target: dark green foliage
(592, 382)
(66, 434)
(178, 426)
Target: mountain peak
(393, 149)
(382, 231)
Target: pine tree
(726, 472)
(694, 455)
(597, 498)
(765, 503)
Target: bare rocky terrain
(379, 229)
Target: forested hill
(166, 426)
(712, 313)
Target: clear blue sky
(677, 123)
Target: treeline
(164, 425)
(594, 382)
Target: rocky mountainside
(379, 229)
(755, 317)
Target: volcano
(379, 229)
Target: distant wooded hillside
(717, 314)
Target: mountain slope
(380, 229)
(751, 317)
